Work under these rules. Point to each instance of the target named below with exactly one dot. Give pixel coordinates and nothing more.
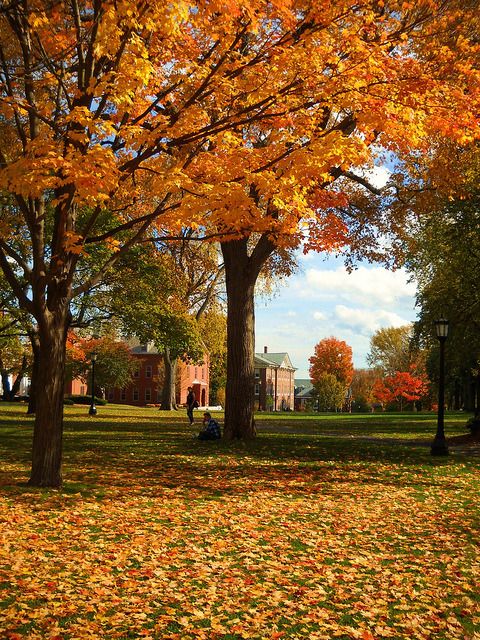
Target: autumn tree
(329, 392)
(400, 387)
(332, 356)
(256, 120)
(114, 365)
(345, 212)
(213, 329)
(391, 349)
(362, 386)
(332, 361)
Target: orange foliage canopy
(332, 356)
(241, 115)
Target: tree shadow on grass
(153, 456)
(215, 469)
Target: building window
(136, 373)
(257, 389)
(82, 390)
(203, 373)
(135, 394)
(148, 395)
(196, 373)
(123, 394)
(257, 374)
(111, 394)
(148, 371)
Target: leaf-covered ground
(331, 527)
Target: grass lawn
(335, 526)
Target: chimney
(265, 349)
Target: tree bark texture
(48, 426)
(241, 273)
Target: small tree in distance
(330, 393)
(362, 389)
(332, 358)
(400, 387)
(115, 365)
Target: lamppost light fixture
(93, 409)
(439, 444)
(441, 328)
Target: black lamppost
(439, 445)
(93, 409)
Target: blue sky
(325, 300)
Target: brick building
(304, 394)
(274, 381)
(146, 385)
(147, 381)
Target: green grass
(324, 526)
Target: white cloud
(367, 321)
(325, 300)
(368, 286)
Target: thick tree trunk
(241, 273)
(48, 427)
(169, 401)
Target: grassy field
(331, 526)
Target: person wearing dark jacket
(211, 430)
(191, 403)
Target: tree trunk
(32, 396)
(48, 427)
(241, 273)
(169, 401)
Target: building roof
(274, 361)
(303, 387)
(145, 349)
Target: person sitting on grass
(211, 428)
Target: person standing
(190, 404)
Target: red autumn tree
(402, 386)
(334, 357)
